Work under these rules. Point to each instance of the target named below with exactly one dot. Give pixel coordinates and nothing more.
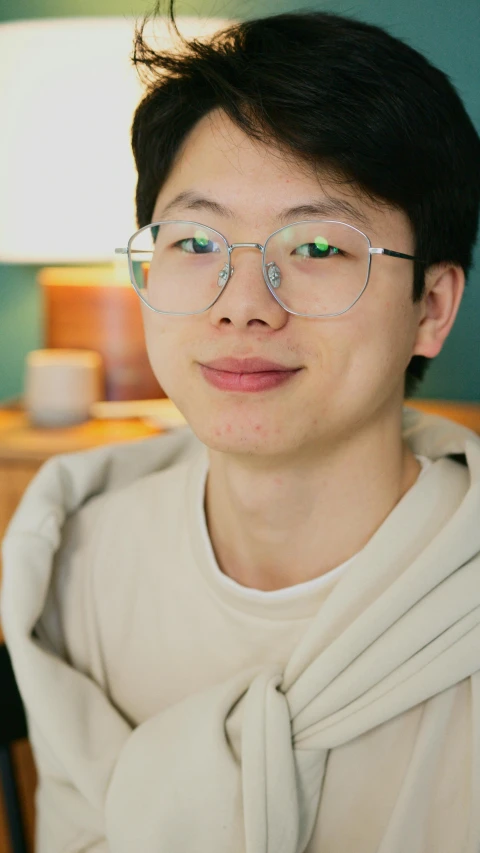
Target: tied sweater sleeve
(67, 821)
(58, 635)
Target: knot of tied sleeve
(268, 800)
(275, 772)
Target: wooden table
(467, 414)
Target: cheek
(162, 346)
(156, 332)
(371, 346)
(388, 336)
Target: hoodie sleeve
(65, 821)
(76, 732)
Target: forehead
(256, 181)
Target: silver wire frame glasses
(321, 265)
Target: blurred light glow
(68, 91)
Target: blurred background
(35, 312)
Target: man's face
(352, 365)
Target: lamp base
(96, 308)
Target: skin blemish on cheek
(229, 427)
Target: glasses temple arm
(125, 251)
(396, 255)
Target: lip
(248, 365)
(266, 380)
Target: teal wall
(448, 34)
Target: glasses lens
(179, 267)
(317, 268)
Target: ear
(444, 286)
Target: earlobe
(444, 286)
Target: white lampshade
(68, 91)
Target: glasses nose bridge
(233, 246)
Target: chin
(243, 425)
(242, 436)
(242, 447)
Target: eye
(199, 244)
(320, 248)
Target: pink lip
(247, 365)
(247, 381)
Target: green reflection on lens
(201, 238)
(321, 243)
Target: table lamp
(68, 91)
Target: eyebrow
(189, 200)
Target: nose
(246, 299)
(225, 274)
(272, 271)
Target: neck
(281, 524)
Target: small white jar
(60, 385)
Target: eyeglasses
(315, 268)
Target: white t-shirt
(325, 581)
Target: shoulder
(144, 486)
(140, 491)
(66, 483)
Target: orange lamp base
(97, 309)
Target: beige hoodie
(171, 713)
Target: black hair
(338, 94)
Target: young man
(261, 633)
